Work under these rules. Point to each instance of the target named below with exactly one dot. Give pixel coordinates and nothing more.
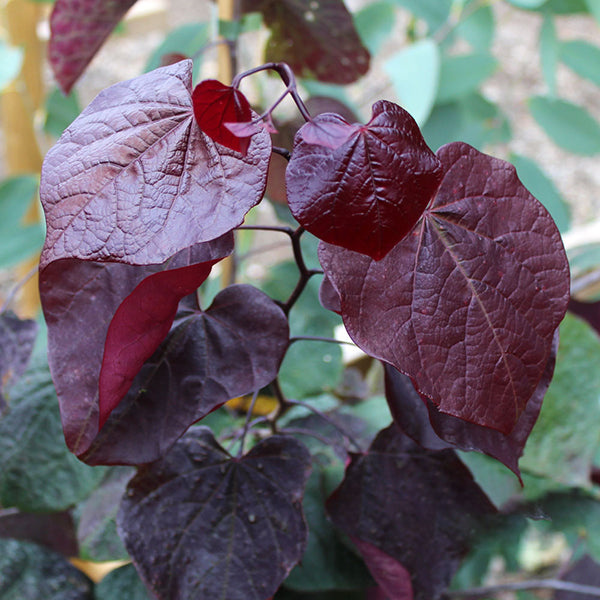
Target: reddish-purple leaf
(216, 104)
(589, 311)
(17, 337)
(140, 324)
(134, 180)
(418, 507)
(80, 299)
(467, 304)
(317, 39)
(328, 296)
(392, 577)
(420, 419)
(77, 30)
(201, 524)
(331, 134)
(368, 193)
(233, 348)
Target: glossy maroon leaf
(317, 39)
(468, 303)
(134, 180)
(201, 524)
(78, 28)
(17, 337)
(392, 577)
(233, 348)
(418, 507)
(216, 104)
(420, 419)
(368, 193)
(80, 299)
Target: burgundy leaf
(317, 39)
(329, 297)
(368, 193)
(232, 349)
(78, 28)
(418, 507)
(589, 311)
(80, 299)
(134, 180)
(420, 419)
(392, 577)
(17, 337)
(468, 303)
(216, 104)
(201, 524)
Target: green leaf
(122, 584)
(583, 58)
(594, 8)
(434, 12)
(11, 60)
(478, 28)
(541, 186)
(570, 126)
(21, 244)
(38, 473)
(186, 40)
(463, 74)
(96, 526)
(527, 4)
(61, 111)
(16, 196)
(415, 72)
(30, 572)
(374, 24)
(566, 7)
(549, 50)
(563, 442)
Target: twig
(532, 584)
(308, 432)
(247, 422)
(316, 338)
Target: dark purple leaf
(367, 193)
(589, 311)
(17, 337)
(80, 299)
(134, 180)
(78, 28)
(418, 507)
(420, 419)
(232, 349)
(215, 105)
(586, 571)
(329, 297)
(317, 39)
(199, 523)
(55, 531)
(468, 303)
(392, 577)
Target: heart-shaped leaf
(134, 180)
(367, 193)
(420, 419)
(233, 348)
(216, 104)
(468, 303)
(417, 507)
(80, 299)
(317, 39)
(199, 523)
(77, 30)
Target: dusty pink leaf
(231, 349)
(368, 193)
(468, 303)
(317, 39)
(80, 299)
(331, 134)
(420, 419)
(134, 180)
(78, 28)
(215, 105)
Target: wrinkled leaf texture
(467, 304)
(367, 193)
(233, 348)
(317, 39)
(78, 28)
(420, 419)
(418, 507)
(199, 523)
